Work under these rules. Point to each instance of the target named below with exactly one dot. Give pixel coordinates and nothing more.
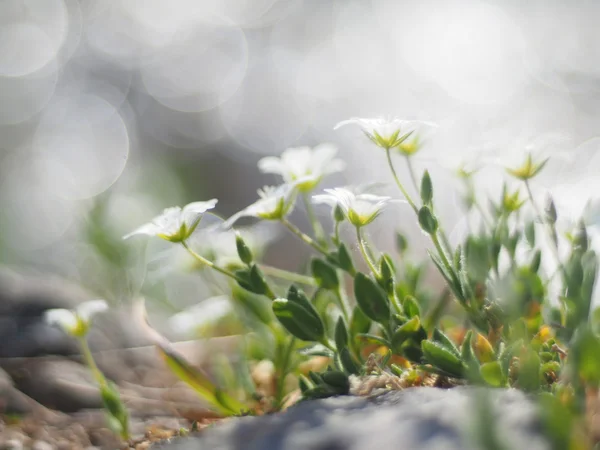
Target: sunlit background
(111, 111)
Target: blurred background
(112, 111)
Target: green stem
(312, 217)
(441, 252)
(411, 171)
(550, 228)
(400, 185)
(283, 371)
(336, 233)
(91, 363)
(269, 292)
(365, 253)
(287, 275)
(343, 298)
(306, 238)
(209, 263)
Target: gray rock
(417, 419)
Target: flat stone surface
(416, 419)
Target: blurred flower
(274, 204)
(525, 158)
(76, 322)
(386, 133)
(304, 162)
(205, 313)
(360, 209)
(176, 224)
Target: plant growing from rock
(504, 319)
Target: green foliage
(507, 321)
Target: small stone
(41, 445)
(11, 444)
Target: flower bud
(243, 250)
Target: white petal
(271, 164)
(65, 318)
(209, 310)
(88, 309)
(150, 229)
(200, 207)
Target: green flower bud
(243, 250)
(427, 220)
(426, 189)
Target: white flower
(526, 157)
(304, 163)
(76, 322)
(360, 209)
(204, 313)
(386, 133)
(175, 224)
(274, 204)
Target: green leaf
(316, 350)
(337, 380)
(440, 357)
(529, 371)
(585, 352)
(445, 341)
(530, 233)
(374, 339)
(324, 274)
(492, 374)
(426, 189)
(342, 259)
(401, 243)
(299, 321)
(468, 356)
(406, 331)
(359, 323)
(371, 298)
(427, 220)
(387, 273)
(411, 306)
(199, 382)
(348, 362)
(341, 334)
(536, 260)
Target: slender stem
(287, 275)
(269, 292)
(441, 252)
(336, 233)
(91, 363)
(554, 246)
(306, 238)
(411, 171)
(400, 185)
(343, 298)
(533, 203)
(365, 253)
(208, 263)
(312, 217)
(283, 371)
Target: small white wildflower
(311, 164)
(387, 133)
(275, 203)
(360, 209)
(175, 224)
(526, 157)
(76, 322)
(204, 313)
